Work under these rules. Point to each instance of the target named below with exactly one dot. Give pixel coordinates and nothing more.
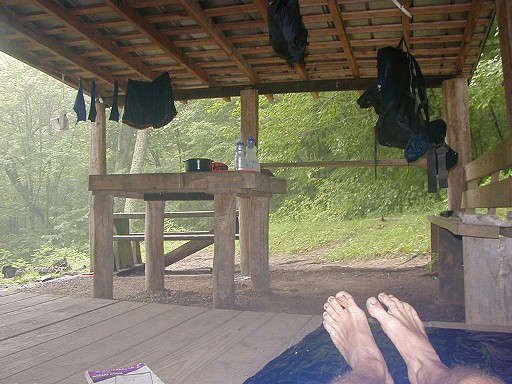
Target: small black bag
(287, 34)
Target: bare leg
(406, 330)
(348, 327)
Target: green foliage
(338, 239)
(489, 123)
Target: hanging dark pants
(149, 103)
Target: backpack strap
(419, 85)
(431, 170)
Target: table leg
(103, 251)
(450, 268)
(154, 239)
(224, 251)
(245, 214)
(260, 273)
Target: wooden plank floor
(55, 339)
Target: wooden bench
(474, 248)
(128, 255)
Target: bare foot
(406, 330)
(348, 327)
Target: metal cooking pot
(198, 165)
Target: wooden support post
(487, 266)
(249, 119)
(450, 268)
(97, 164)
(260, 274)
(103, 253)
(245, 212)
(224, 251)
(154, 239)
(504, 16)
(249, 127)
(456, 115)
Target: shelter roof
(215, 48)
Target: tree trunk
(124, 149)
(138, 160)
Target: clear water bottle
(239, 156)
(251, 157)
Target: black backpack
(401, 102)
(287, 34)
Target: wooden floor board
(264, 343)
(64, 328)
(30, 304)
(174, 342)
(53, 312)
(180, 344)
(7, 297)
(93, 343)
(197, 349)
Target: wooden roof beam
(473, 15)
(93, 36)
(337, 16)
(159, 39)
(194, 10)
(11, 21)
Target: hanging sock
(114, 112)
(79, 106)
(149, 103)
(92, 111)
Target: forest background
(44, 173)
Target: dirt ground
(300, 285)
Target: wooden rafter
(337, 17)
(195, 11)
(10, 20)
(129, 13)
(93, 36)
(472, 21)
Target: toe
(389, 301)
(333, 307)
(346, 300)
(375, 309)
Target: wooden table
(155, 189)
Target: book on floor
(139, 373)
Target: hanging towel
(92, 111)
(79, 106)
(149, 103)
(114, 112)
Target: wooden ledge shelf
(457, 227)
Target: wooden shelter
(220, 48)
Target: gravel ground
(300, 285)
